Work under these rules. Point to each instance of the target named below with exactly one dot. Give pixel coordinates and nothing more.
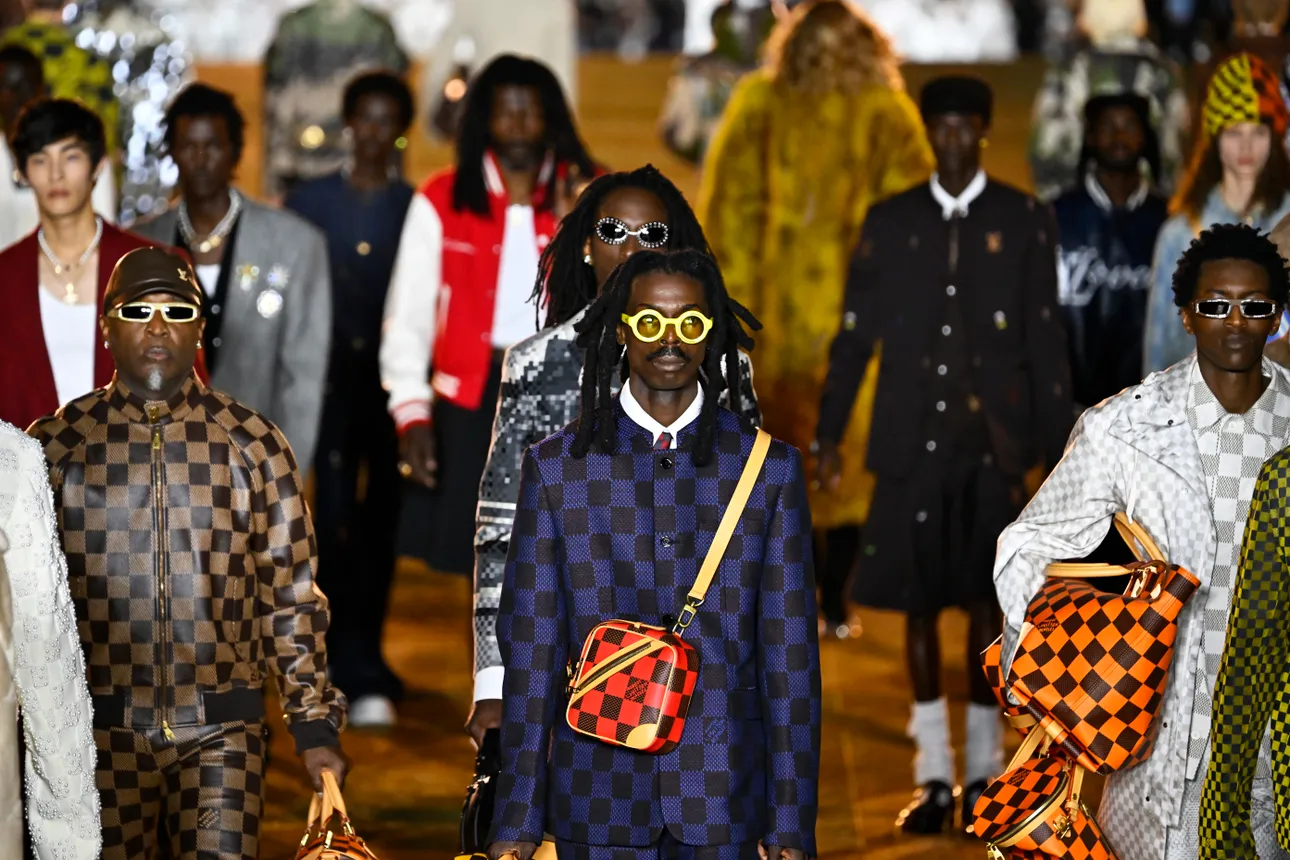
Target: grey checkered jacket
(1134, 452)
(539, 397)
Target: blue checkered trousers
(622, 535)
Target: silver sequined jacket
(42, 670)
(539, 397)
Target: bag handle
(724, 531)
(1138, 541)
(323, 806)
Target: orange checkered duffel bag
(1091, 666)
(632, 685)
(1034, 811)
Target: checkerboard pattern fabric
(667, 848)
(1133, 453)
(1252, 688)
(1028, 811)
(1016, 795)
(622, 535)
(629, 677)
(1233, 449)
(1092, 666)
(539, 397)
(191, 554)
(208, 782)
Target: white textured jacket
(42, 671)
(1134, 452)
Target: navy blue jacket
(363, 230)
(1104, 279)
(622, 535)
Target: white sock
(929, 726)
(983, 749)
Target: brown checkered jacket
(191, 556)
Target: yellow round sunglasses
(648, 325)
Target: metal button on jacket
(666, 541)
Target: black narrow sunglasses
(1251, 309)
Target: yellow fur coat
(787, 182)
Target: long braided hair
(565, 282)
(597, 334)
(469, 191)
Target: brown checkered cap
(151, 270)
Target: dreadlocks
(473, 139)
(564, 278)
(597, 334)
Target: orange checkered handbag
(632, 685)
(329, 835)
(1034, 811)
(1090, 666)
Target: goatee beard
(154, 381)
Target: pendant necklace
(69, 289)
(217, 236)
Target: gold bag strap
(727, 528)
(1134, 535)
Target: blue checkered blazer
(622, 535)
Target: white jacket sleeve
(411, 312)
(1067, 519)
(62, 798)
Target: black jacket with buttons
(998, 263)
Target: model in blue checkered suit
(622, 534)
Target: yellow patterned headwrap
(1245, 89)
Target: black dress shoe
(931, 809)
(970, 795)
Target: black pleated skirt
(930, 540)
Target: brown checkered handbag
(1034, 811)
(632, 685)
(329, 835)
(1090, 666)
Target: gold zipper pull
(156, 439)
(165, 730)
(993, 853)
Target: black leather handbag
(477, 811)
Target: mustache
(668, 352)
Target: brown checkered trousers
(191, 560)
(208, 783)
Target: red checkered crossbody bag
(632, 685)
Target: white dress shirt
(950, 205)
(637, 413)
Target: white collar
(951, 206)
(637, 413)
(1099, 195)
